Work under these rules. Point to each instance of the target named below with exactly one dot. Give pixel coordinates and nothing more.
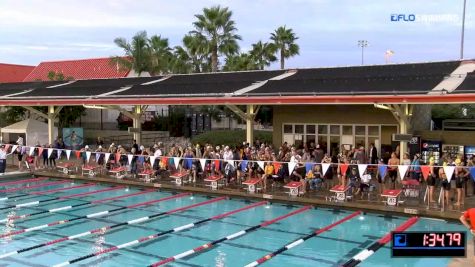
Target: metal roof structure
(433, 82)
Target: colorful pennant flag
(362, 169)
(203, 164)
(176, 161)
(261, 164)
(402, 171)
(68, 153)
(325, 167)
(129, 158)
(449, 172)
(382, 170)
(152, 160)
(425, 169)
(292, 165)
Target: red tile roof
(10, 73)
(81, 69)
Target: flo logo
(403, 17)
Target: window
(323, 129)
(373, 130)
(288, 129)
(299, 129)
(335, 129)
(360, 130)
(310, 129)
(348, 129)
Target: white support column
(137, 124)
(51, 116)
(250, 115)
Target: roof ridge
(83, 59)
(18, 65)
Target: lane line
(33, 186)
(75, 206)
(91, 215)
(106, 228)
(156, 235)
(229, 237)
(301, 240)
(23, 181)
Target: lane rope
(367, 252)
(301, 240)
(75, 206)
(229, 237)
(106, 228)
(88, 216)
(156, 235)
(23, 181)
(33, 186)
(36, 202)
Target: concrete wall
(337, 114)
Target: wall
(338, 114)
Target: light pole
(463, 29)
(362, 44)
(388, 55)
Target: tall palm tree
(263, 54)
(216, 28)
(160, 55)
(284, 40)
(137, 53)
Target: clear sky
(32, 31)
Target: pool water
(330, 248)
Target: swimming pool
(60, 232)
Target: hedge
(230, 137)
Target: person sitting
(364, 183)
(268, 172)
(315, 177)
(353, 177)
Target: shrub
(230, 137)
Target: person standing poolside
(3, 160)
(468, 219)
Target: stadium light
(362, 44)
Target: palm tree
(284, 40)
(137, 53)
(160, 55)
(240, 62)
(263, 54)
(216, 28)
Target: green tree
(263, 54)
(284, 40)
(160, 55)
(137, 53)
(191, 57)
(240, 62)
(217, 31)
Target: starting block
(411, 188)
(294, 188)
(213, 181)
(118, 172)
(65, 167)
(251, 185)
(146, 175)
(392, 197)
(178, 176)
(89, 170)
(340, 192)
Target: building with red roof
(10, 73)
(80, 69)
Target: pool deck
(279, 195)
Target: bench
(65, 167)
(213, 181)
(145, 175)
(118, 172)
(251, 185)
(294, 188)
(89, 170)
(392, 196)
(178, 176)
(340, 193)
